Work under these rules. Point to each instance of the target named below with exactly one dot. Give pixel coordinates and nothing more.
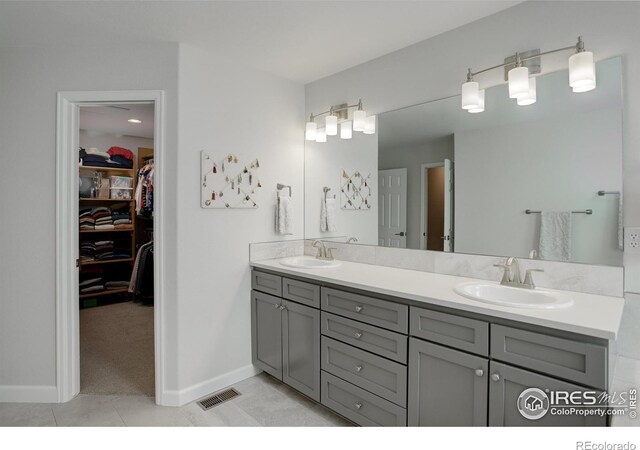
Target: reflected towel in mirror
(328, 215)
(555, 235)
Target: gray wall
(411, 158)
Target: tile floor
(264, 402)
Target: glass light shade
(321, 136)
(531, 97)
(582, 72)
(480, 107)
(359, 117)
(370, 125)
(470, 95)
(331, 123)
(518, 82)
(310, 131)
(346, 132)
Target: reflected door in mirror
(392, 209)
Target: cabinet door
(508, 382)
(301, 348)
(266, 333)
(446, 387)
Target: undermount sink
(488, 292)
(309, 262)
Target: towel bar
(284, 186)
(586, 211)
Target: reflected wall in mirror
(449, 180)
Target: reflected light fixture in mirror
(522, 87)
(480, 107)
(339, 115)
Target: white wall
(324, 163)
(255, 115)
(554, 164)
(30, 77)
(104, 141)
(435, 68)
(411, 158)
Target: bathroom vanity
(384, 346)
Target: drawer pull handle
(359, 308)
(495, 377)
(358, 405)
(358, 334)
(479, 372)
(359, 368)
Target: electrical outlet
(632, 240)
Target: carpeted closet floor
(116, 350)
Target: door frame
(423, 201)
(67, 295)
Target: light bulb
(470, 95)
(331, 123)
(582, 72)
(518, 82)
(359, 117)
(310, 131)
(480, 107)
(370, 125)
(531, 97)
(346, 131)
(321, 136)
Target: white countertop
(592, 315)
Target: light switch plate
(632, 239)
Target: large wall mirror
(435, 177)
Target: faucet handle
(505, 275)
(528, 278)
(329, 253)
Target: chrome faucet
(324, 252)
(511, 276)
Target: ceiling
(298, 40)
(114, 119)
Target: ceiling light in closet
(134, 121)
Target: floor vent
(218, 399)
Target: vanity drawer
(382, 313)
(375, 374)
(358, 405)
(373, 339)
(580, 362)
(453, 331)
(301, 292)
(267, 283)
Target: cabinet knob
(358, 334)
(358, 405)
(277, 306)
(479, 372)
(359, 368)
(495, 377)
(359, 308)
(282, 307)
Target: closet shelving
(131, 231)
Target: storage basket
(121, 193)
(121, 182)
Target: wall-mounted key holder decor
(228, 182)
(355, 190)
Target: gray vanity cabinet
(506, 385)
(286, 342)
(446, 387)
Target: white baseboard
(28, 394)
(187, 395)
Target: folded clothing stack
(102, 216)
(87, 251)
(87, 222)
(117, 278)
(121, 156)
(91, 280)
(121, 219)
(104, 250)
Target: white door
(448, 205)
(392, 208)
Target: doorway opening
(436, 217)
(109, 247)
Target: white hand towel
(620, 223)
(555, 236)
(323, 214)
(284, 215)
(331, 214)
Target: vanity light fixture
(339, 114)
(522, 86)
